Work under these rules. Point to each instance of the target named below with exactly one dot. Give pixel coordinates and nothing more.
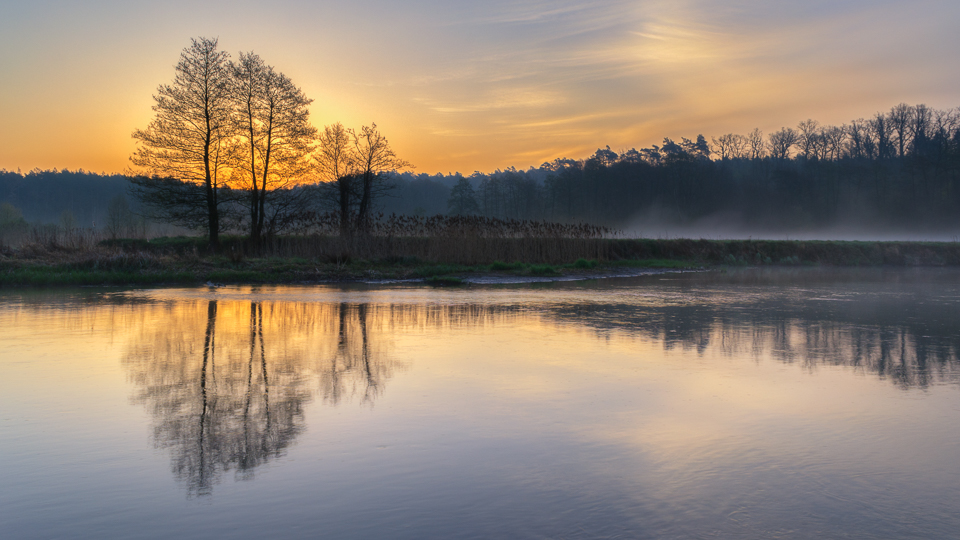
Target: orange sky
(464, 86)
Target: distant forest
(898, 170)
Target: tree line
(897, 168)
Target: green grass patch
(500, 266)
(584, 264)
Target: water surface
(755, 404)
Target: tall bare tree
(188, 139)
(757, 146)
(899, 119)
(336, 163)
(881, 130)
(273, 123)
(373, 156)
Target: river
(788, 403)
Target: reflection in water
(352, 371)
(665, 407)
(912, 341)
(227, 382)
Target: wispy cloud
(480, 85)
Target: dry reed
(466, 240)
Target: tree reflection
(227, 381)
(354, 370)
(911, 341)
(233, 397)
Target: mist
(657, 223)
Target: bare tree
(336, 164)
(273, 122)
(755, 141)
(945, 126)
(834, 139)
(731, 146)
(188, 139)
(920, 122)
(739, 147)
(860, 144)
(900, 124)
(808, 138)
(781, 142)
(881, 130)
(373, 157)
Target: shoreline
(33, 276)
(183, 261)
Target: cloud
(484, 82)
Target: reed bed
(51, 238)
(468, 227)
(437, 249)
(468, 240)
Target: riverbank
(186, 260)
(133, 271)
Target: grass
(186, 260)
(543, 270)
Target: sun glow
(468, 88)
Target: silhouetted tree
(731, 146)
(881, 131)
(781, 142)
(188, 139)
(899, 119)
(372, 157)
(757, 146)
(273, 124)
(336, 164)
(808, 138)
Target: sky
(459, 85)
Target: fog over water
(657, 223)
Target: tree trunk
(213, 218)
(213, 213)
(344, 184)
(362, 214)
